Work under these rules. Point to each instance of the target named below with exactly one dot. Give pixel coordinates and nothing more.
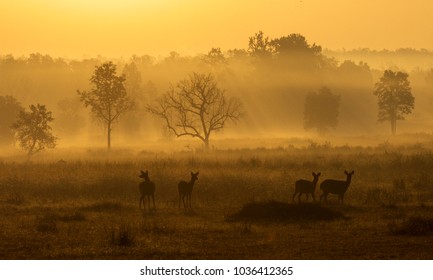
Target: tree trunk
(393, 126)
(206, 144)
(109, 136)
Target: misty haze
(269, 143)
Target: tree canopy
(108, 98)
(33, 130)
(395, 98)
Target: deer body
(147, 189)
(185, 190)
(338, 187)
(304, 186)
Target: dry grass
(242, 207)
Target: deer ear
(345, 172)
(147, 171)
(314, 174)
(196, 174)
(353, 172)
(192, 173)
(142, 172)
(318, 174)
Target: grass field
(242, 206)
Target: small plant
(122, 236)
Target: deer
(336, 187)
(147, 189)
(304, 186)
(185, 190)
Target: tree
(108, 98)
(295, 44)
(394, 97)
(215, 57)
(33, 130)
(259, 46)
(9, 111)
(321, 110)
(197, 107)
(295, 52)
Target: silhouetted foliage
(260, 46)
(108, 98)
(33, 130)
(394, 97)
(197, 107)
(9, 110)
(215, 57)
(321, 110)
(294, 43)
(294, 51)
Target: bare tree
(108, 98)
(197, 107)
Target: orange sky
(115, 28)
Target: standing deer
(147, 189)
(185, 190)
(335, 187)
(304, 186)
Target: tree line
(272, 70)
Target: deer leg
(141, 200)
(294, 195)
(312, 194)
(153, 200)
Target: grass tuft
(122, 236)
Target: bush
(274, 211)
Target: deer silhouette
(147, 189)
(336, 187)
(185, 190)
(304, 186)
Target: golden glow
(123, 27)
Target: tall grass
(229, 177)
